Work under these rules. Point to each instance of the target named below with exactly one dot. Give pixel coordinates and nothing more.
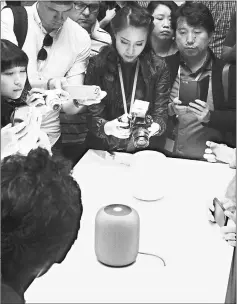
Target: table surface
(175, 227)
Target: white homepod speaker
(148, 175)
(117, 229)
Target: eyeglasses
(93, 8)
(48, 41)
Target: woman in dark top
(162, 38)
(127, 64)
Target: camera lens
(140, 137)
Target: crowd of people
(166, 79)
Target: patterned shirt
(221, 12)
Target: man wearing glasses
(58, 50)
(85, 14)
(51, 35)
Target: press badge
(140, 107)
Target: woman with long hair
(126, 71)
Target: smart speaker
(117, 230)
(148, 175)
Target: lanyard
(133, 89)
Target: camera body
(139, 130)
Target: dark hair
(40, 211)
(12, 56)
(133, 15)
(196, 14)
(170, 4)
(130, 15)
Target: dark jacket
(156, 92)
(223, 118)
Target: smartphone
(219, 216)
(188, 91)
(83, 91)
(191, 90)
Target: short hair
(170, 4)
(196, 14)
(41, 211)
(12, 56)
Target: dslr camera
(139, 130)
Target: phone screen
(188, 91)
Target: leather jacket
(156, 90)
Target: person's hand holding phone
(200, 109)
(109, 14)
(177, 107)
(118, 127)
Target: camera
(139, 130)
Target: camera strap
(133, 89)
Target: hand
(200, 109)
(231, 190)
(153, 129)
(29, 141)
(219, 152)
(9, 138)
(229, 234)
(43, 142)
(118, 127)
(230, 208)
(57, 83)
(177, 107)
(35, 97)
(89, 102)
(46, 100)
(110, 13)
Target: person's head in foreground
(194, 26)
(40, 214)
(14, 63)
(85, 13)
(132, 27)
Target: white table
(175, 227)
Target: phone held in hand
(189, 90)
(83, 92)
(219, 216)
